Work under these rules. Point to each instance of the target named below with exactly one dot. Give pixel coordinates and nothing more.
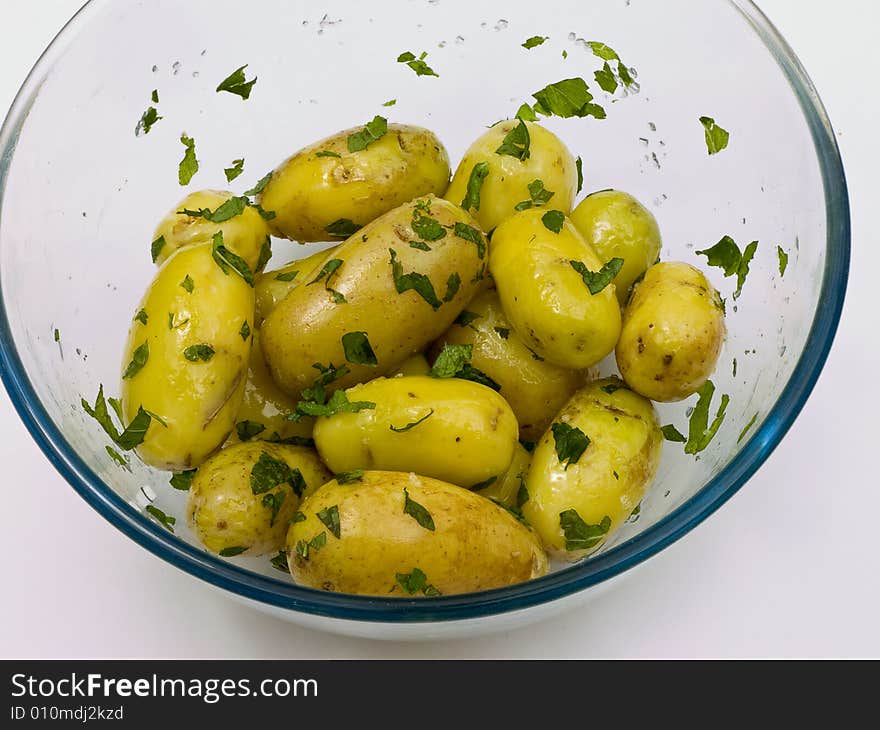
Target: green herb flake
(146, 122)
(671, 433)
(528, 445)
(453, 283)
(413, 424)
(578, 534)
(478, 175)
(526, 113)
(247, 430)
(349, 477)
(189, 165)
(342, 228)
(188, 284)
(138, 360)
(700, 434)
(279, 562)
(553, 220)
(227, 260)
(234, 170)
(502, 332)
(413, 281)
(539, 196)
(371, 132)
(227, 210)
(231, 552)
(469, 372)
(567, 98)
(571, 443)
(517, 143)
(298, 517)
(183, 480)
(160, 517)
(327, 153)
(413, 582)
(579, 164)
(748, 428)
(612, 388)
(141, 317)
(466, 318)
(783, 260)
(287, 276)
(606, 79)
(261, 184)
(469, 233)
(425, 227)
(134, 434)
(117, 457)
(417, 512)
(273, 502)
(245, 331)
(358, 350)
(484, 484)
(522, 494)
(734, 367)
(201, 352)
(338, 403)
(534, 41)
(717, 138)
(156, 248)
(417, 64)
(235, 84)
(726, 255)
(268, 473)
(100, 413)
(330, 517)
(596, 281)
(390, 102)
(451, 360)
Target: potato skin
(673, 332)
(470, 437)
(506, 489)
(197, 400)
(265, 403)
(545, 299)
(223, 510)
(309, 193)
(245, 234)
(617, 225)
(535, 389)
(308, 325)
(625, 438)
(415, 365)
(270, 290)
(507, 183)
(475, 546)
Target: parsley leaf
(726, 255)
(247, 430)
(453, 283)
(671, 433)
(234, 170)
(330, 517)
(342, 228)
(417, 64)
(156, 248)
(479, 173)
(414, 281)
(567, 98)
(571, 443)
(160, 517)
(235, 84)
(202, 352)
(147, 120)
(227, 260)
(783, 260)
(411, 426)
(534, 41)
(517, 143)
(578, 534)
(268, 473)
(358, 350)
(596, 281)
(539, 196)
(371, 132)
(553, 220)
(417, 512)
(182, 481)
(717, 138)
(189, 165)
(138, 360)
(579, 164)
(700, 434)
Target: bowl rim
(287, 595)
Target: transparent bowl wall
(81, 196)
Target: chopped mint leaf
(138, 360)
(578, 534)
(327, 153)
(417, 512)
(134, 434)
(390, 102)
(726, 255)
(147, 120)
(426, 227)
(268, 473)
(371, 132)
(451, 360)
(671, 433)
(571, 443)
(202, 352)
(234, 170)
(245, 331)
(156, 247)
(163, 519)
(469, 233)
(567, 98)
(783, 260)
(517, 143)
(227, 260)
(235, 84)
(342, 228)
(231, 552)
(534, 41)
(748, 428)
(553, 220)
(258, 188)
(338, 403)
(417, 64)
(478, 175)
(100, 413)
(287, 276)
(526, 113)
(141, 317)
(414, 281)
(349, 477)
(466, 318)
(717, 138)
(358, 350)
(247, 430)
(279, 562)
(182, 481)
(579, 164)
(330, 517)
(596, 281)
(117, 457)
(484, 484)
(228, 210)
(189, 165)
(452, 286)
(700, 434)
(411, 426)
(606, 79)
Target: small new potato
(509, 490)
(325, 189)
(544, 296)
(265, 407)
(673, 332)
(273, 286)
(243, 498)
(617, 225)
(578, 497)
(245, 234)
(396, 534)
(415, 365)
(535, 389)
(506, 183)
(450, 429)
(188, 363)
(376, 300)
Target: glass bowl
(81, 194)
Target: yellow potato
(415, 365)
(242, 499)
(245, 234)
(357, 538)
(673, 332)
(507, 178)
(535, 389)
(193, 352)
(618, 226)
(265, 406)
(449, 429)
(273, 286)
(546, 298)
(311, 191)
(396, 297)
(509, 490)
(578, 501)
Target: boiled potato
(325, 189)
(536, 389)
(187, 364)
(264, 409)
(242, 499)
(245, 234)
(509, 489)
(619, 226)
(592, 468)
(673, 332)
(273, 286)
(404, 535)
(415, 365)
(384, 301)
(449, 429)
(545, 297)
(507, 179)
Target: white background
(789, 567)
